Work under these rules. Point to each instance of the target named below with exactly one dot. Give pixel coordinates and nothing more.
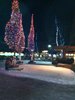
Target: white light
(10, 54)
(49, 46)
(54, 56)
(67, 54)
(45, 51)
(49, 55)
(71, 54)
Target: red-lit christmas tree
(21, 44)
(14, 35)
(31, 44)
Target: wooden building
(67, 50)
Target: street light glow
(49, 46)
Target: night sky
(44, 19)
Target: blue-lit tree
(59, 36)
(14, 35)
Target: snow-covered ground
(47, 73)
(38, 62)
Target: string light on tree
(31, 36)
(14, 34)
(59, 37)
(21, 44)
(31, 41)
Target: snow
(48, 73)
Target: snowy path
(46, 73)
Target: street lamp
(49, 46)
(50, 51)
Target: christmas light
(14, 35)
(31, 36)
(59, 37)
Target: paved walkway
(44, 72)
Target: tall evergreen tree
(57, 31)
(59, 36)
(14, 35)
(31, 44)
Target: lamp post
(50, 51)
(49, 47)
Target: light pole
(50, 51)
(49, 47)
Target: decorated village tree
(21, 45)
(59, 37)
(31, 43)
(14, 35)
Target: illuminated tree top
(15, 5)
